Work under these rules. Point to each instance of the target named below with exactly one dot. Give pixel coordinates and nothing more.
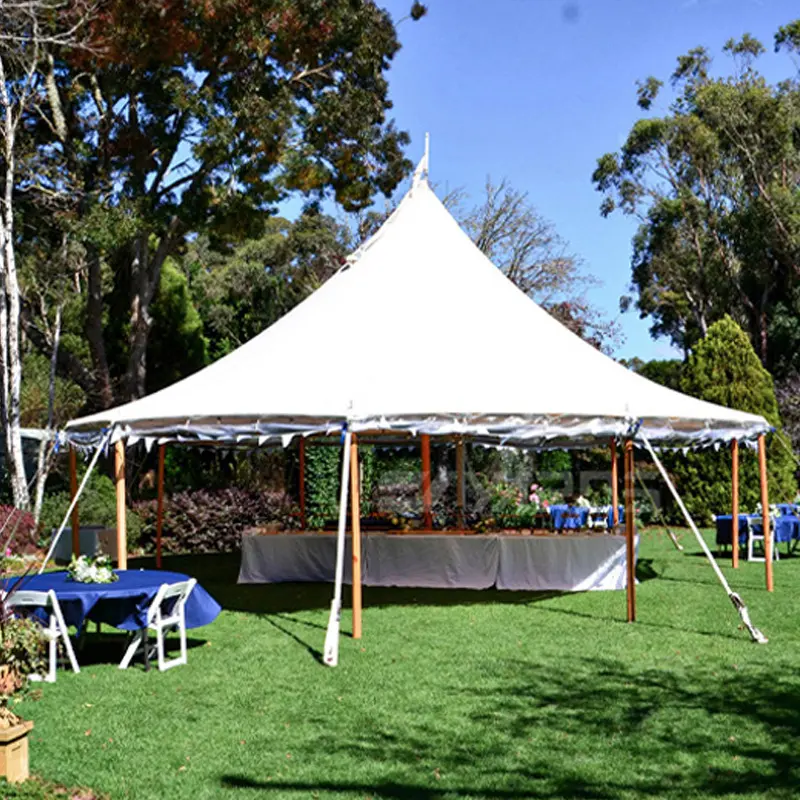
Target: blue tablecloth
(787, 508)
(725, 528)
(122, 604)
(571, 517)
(787, 527)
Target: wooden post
(427, 502)
(735, 503)
(630, 535)
(122, 535)
(614, 484)
(302, 470)
(355, 518)
(73, 490)
(461, 487)
(160, 504)
(762, 474)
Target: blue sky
(537, 90)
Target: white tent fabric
(418, 332)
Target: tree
(512, 233)
(714, 183)
(30, 31)
(240, 293)
(725, 369)
(198, 117)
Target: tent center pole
(160, 504)
(735, 503)
(614, 484)
(630, 532)
(427, 502)
(355, 519)
(122, 534)
(762, 474)
(73, 491)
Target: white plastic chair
(55, 629)
(175, 619)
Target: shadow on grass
(218, 573)
(109, 648)
(599, 729)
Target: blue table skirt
(787, 527)
(572, 517)
(122, 604)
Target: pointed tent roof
(418, 332)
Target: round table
(122, 604)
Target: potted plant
(21, 653)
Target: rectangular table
(575, 562)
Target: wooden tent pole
(302, 477)
(355, 518)
(160, 505)
(762, 474)
(427, 502)
(630, 540)
(119, 475)
(460, 484)
(735, 503)
(73, 490)
(614, 484)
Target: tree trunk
(94, 331)
(43, 461)
(12, 365)
(140, 319)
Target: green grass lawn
(449, 694)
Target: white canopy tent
(418, 332)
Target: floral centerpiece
(84, 569)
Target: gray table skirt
(532, 563)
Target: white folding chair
(753, 537)
(54, 630)
(598, 517)
(166, 613)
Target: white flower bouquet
(91, 570)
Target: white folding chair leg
(63, 633)
(133, 648)
(52, 651)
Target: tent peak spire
(421, 172)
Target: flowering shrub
(508, 509)
(207, 521)
(21, 652)
(18, 535)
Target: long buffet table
(552, 562)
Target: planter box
(14, 752)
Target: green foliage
(724, 369)
(668, 373)
(176, 347)
(35, 394)
(241, 291)
(712, 178)
(323, 476)
(97, 506)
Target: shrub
(206, 521)
(724, 369)
(18, 533)
(97, 506)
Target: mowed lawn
(449, 694)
